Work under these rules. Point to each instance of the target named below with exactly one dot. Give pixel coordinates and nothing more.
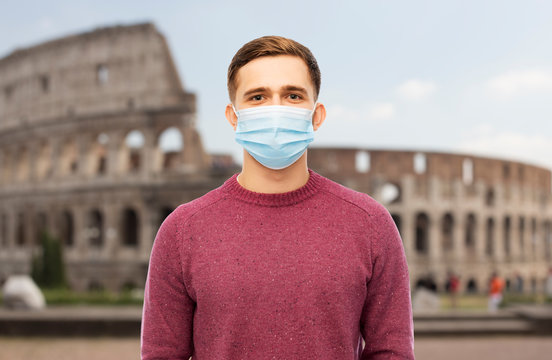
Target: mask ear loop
(313, 109)
(235, 112)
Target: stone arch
(490, 197)
(132, 151)
(20, 230)
(521, 236)
(95, 228)
(44, 161)
(489, 237)
(470, 231)
(533, 237)
(68, 157)
(67, 228)
(420, 163)
(397, 220)
(97, 155)
(447, 238)
(170, 143)
(422, 233)
(163, 213)
(3, 230)
(40, 226)
(22, 165)
(507, 226)
(547, 239)
(391, 193)
(362, 161)
(130, 227)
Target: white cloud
(483, 140)
(368, 113)
(381, 111)
(416, 90)
(519, 82)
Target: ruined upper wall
(393, 165)
(106, 70)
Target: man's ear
(231, 116)
(319, 116)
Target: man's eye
(294, 97)
(257, 97)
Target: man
(279, 262)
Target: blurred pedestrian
(496, 286)
(453, 285)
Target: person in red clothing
(496, 286)
(279, 262)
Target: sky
(456, 76)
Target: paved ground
(489, 348)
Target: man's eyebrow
(252, 91)
(295, 88)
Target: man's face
(274, 80)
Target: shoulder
(186, 211)
(353, 198)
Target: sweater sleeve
(168, 311)
(386, 320)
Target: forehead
(274, 72)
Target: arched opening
(44, 161)
(20, 230)
(130, 227)
(470, 234)
(507, 236)
(467, 171)
(521, 237)
(447, 226)
(547, 239)
(490, 197)
(533, 238)
(165, 211)
(95, 228)
(362, 161)
(170, 145)
(23, 165)
(69, 158)
(489, 237)
(134, 144)
(3, 231)
(422, 233)
(420, 163)
(98, 155)
(67, 228)
(397, 220)
(40, 227)
(390, 193)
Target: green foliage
(48, 268)
(68, 297)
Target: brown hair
(272, 46)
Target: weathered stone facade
(468, 214)
(82, 122)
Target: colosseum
(98, 144)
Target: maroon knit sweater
(302, 275)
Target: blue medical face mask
(275, 135)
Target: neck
(258, 178)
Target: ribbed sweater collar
(233, 187)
